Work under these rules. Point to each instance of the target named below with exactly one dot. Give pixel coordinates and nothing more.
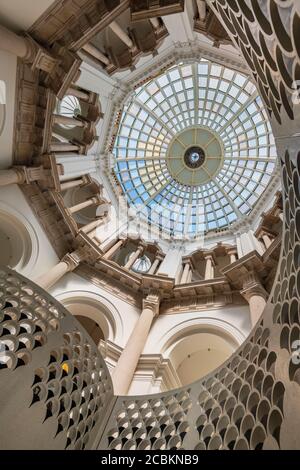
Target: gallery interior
(150, 224)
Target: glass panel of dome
(175, 112)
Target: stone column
(64, 147)
(201, 4)
(92, 225)
(65, 120)
(93, 201)
(72, 184)
(113, 250)
(134, 256)
(185, 273)
(81, 95)
(155, 264)
(124, 371)
(67, 264)
(17, 45)
(96, 53)
(21, 175)
(256, 296)
(209, 268)
(116, 28)
(12, 176)
(233, 255)
(266, 239)
(155, 23)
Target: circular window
(142, 265)
(70, 107)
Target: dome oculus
(194, 157)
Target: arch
(194, 325)
(92, 327)
(225, 332)
(97, 308)
(196, 353)
(19, 240)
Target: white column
(11, 176)
(94, 52)
(116, 28)
(185, 273)
(155, 265)
(72, 184)
(67, 264)
(124, 371)
(233, 256)
(155, 23)
(63, 147)
(58, 119)
(113, 250)
(17, 45)
(83, 205)
(267, 240)
(81, 95)
(256, 296)
(201, 4)
(209, 269)
(134, 256)
(92, 225)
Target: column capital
(159, 256)
(152, 301)
(252, 286)
(209, 256)
(72, 260)
(40, 58)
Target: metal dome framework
(209, 97)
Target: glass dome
(194, 149)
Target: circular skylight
(194, 150)
(69, 106)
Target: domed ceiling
(194, 150)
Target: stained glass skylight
(195, 150)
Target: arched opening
(93, 316)
(92, 328)
(198, 351)
(15, 242)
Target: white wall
(235, 320)
(8, 75)
(42, 256)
